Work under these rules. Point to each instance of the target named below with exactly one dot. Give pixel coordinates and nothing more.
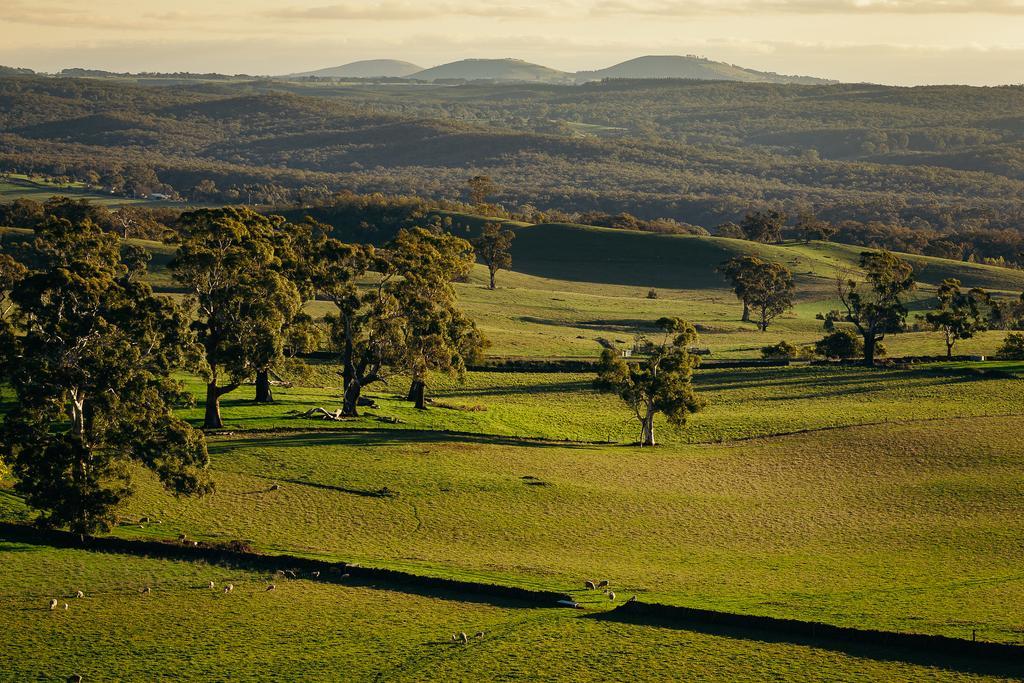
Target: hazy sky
(884, 41)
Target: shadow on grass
(943, 654)
(377, 437)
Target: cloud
(404, 10)
(670, 8)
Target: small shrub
(781, 351)
(1012, 348)
(842, 344)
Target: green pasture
(876, 498)
(311, 630)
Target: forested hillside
(930, 162)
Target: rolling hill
(690, 67)
(514, 70)
(367, 68)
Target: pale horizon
(899, 42)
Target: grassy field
(14, 186)
(875, 498)
(319, 631)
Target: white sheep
(213, 585)
(147, 590)
(74, 678)
(79, 594)
(589, 585)
(603, 584)
(229, 588)
(316, 575)
(611, 596)
(272, 587)
(463, 637)
(66, 606)
(479, 634)
(53, 603)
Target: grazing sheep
(479, 634)
(213, 585)
(632, 599)
(611, 596)
(316, 575)
(53, 603)
(74, 678)
(228, 588)
(455, 637)
(66, 606)
(589, 585)
(182, 537)
(275, 487)
(147, 590)
(463, 637)
(603, 584)
(291, 573)
(272, 587)
(280, 572)
(345, 576)
(79, 594)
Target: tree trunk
(746, 313)
(264, 392)
(212, 419)
(869, 350)
(419, 390)
(647, 429)
(492, 277)
(350, 405)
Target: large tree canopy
(661, 383)
(229, 259)
(960, 314)
(91, 364)
(875, 306)
(764, 287)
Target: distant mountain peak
(366, 68)
(689, 67)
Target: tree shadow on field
(917, 656)
(381, 437)
(528, 389)
(817, 383)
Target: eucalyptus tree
(660, 383)
(91, 365)
(229, 261)
(493, 248)
(875, 305)
(960, 314)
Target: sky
(902, 42)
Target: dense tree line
(90, 351)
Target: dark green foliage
(763, 226)
(1012, 347)
(764, 288)
(91, 369)
(781, 351)
(661, 383)
(492, 247)
(960, 314)
(842, 344)
(875, 306)
(230, 262)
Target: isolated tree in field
(480, 188)
(763, 226)
(810, 227)
(661, 383)
(763, 287)
(960, 314)
(436, 335)
(228, 261)
(875, 306)
(492, 247)
(91, 367)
